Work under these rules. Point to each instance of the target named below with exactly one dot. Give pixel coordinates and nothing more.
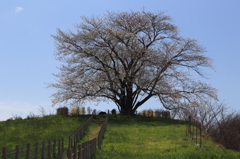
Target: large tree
(128, 58)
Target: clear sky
(27, 50)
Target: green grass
(125, 137)
(20, 132)
(153, 138)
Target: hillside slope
(129, 137)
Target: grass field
(20, 132)
(125, 137)
(153, 138)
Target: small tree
(83, 111)
(89, 110)
(94, 112)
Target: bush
(149, 113)
(221, 125)
(227, 132)
(75, 111)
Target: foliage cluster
(81, 110)
(156, 113)
(149, 113)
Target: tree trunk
(127, 111)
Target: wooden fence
(88, 149)
(84, 151)
(55, 149)
(194, 130)
(101, 132)
(45, 150)
(78, 134)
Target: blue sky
(27, 50)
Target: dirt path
(94, 132)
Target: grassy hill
(125, 137)
(153, 138)
(32, 130)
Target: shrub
(144, 113)
(227, 132)
(75, 111)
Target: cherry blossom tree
(128, 58)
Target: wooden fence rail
(53, 149)
(78, 134)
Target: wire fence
(194, 130)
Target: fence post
(75, 139)
(62, 144)
(189, 126)
(75, 154)
(85, 150)
(36, 151)
(59, 146)
(54, 148)
(61, 155)
(69, 154)
(99, 139)
(49, 148)
(4, 153)
(95, 145)
(69, 142)
(200, 134)
(28, 151)
(17, 152)
(89, 148)
(43, 149)
(196, 132)
(92, 147)
(80, 151)
(192, 129)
